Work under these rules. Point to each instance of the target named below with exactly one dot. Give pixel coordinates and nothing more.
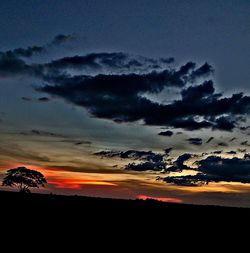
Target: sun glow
(163, 199)
(77, 184)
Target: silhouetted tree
(24, 178)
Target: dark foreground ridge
(80, 204)
(66, 213)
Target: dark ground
(80, 206)
(84, 219)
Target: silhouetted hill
(80, 205)
(78, 217)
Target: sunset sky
(128, 99)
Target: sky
(128, 99)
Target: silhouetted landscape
(80, 205)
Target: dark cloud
(168, 150)
(94, 61)
(43, 99)
(75, 142)
(232, 152)
(204, 154)
(216, 169)
(62, 38)
(117, 61)
(26, 99)
(167, 60)
(245, 143)
(242, 150)
(210, 139)
(121, 94)
(104, 98)
(189, 123)
(12, 65)
(166, 133)
(195, 141)
(42, 133)
(27, 52)
(82, 143)
(225, 123)
(217, 152)
(179, 165)
(149, 156)
(203, 71)
(12, 62)
(146, 166)
(189, 180)
(222, 144)
(244, 128)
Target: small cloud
(210, 139)
(222, 144)
(178, 133)
(242, 150)
(195, 141)
(166, 133)
(149, 156)
(245, 143)
(26, 99)
(232, 152)
(244, 128)
(83, 143)
(217, 152)
(168, 150)
(62, 38)
(43, 99)
(146, 166)
(42, 133)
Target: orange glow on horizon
(76, 184)
(163, 199)
(63, 179)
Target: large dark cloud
(122, 94)
(149, 156)
(216, 169)
(119, 98)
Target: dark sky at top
(215, 31)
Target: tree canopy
(24, 178)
